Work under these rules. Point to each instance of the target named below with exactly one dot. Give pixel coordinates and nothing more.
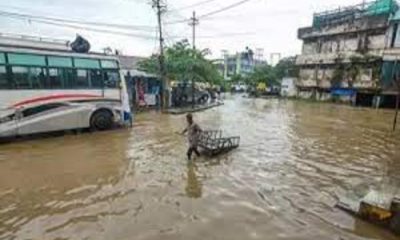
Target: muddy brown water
(295, 161)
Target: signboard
(150, 99)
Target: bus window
(87, 63)
(96, 80)
(3, 78)
(42, 108)
(111, 79)
(29, 77)
(109, 64)
(38, 78)
(61, 78)
(55, 80)
(82, 80)
(20, 77)
(26, 59)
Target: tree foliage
(184, 63)
(287, 68)
(263, 74)
(272, 75)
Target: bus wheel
(101, 120)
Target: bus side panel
(61, 119)
(11, 97)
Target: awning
(138, 73)
(343, 92)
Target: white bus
(45, 91)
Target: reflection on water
(193, 187)
(296, 160)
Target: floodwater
(295, 161)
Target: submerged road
(295, 161)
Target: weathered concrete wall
(323, 47)
(360, 25)
(310, 48)
(377, 41)
(350, 44)
(324, 96)
(325, 76)
(305, 94)
(307, 78)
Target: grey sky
(270, 24)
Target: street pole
(396, 81)
(193, 22)
(165, 86)
(397, 108)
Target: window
(4, 84)
(20, 77)
(59, 62)
(109, 64)
(95, 78)
(60, 78)
(82, 80)
(111, 79)
(29, 77)
(2, 58)
(26, 59)
(87, 63)
(37, 77)
(42, 108)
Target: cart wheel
(395, 223)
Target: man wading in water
(193, 131)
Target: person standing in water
(193, 131)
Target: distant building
(288, 87)
(391, 63)
(242, 63)
(344, 49)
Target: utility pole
(157, 4)
(396, 83)
(193, 22)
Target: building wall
(288, 87)
(307, 78)
(327, 46)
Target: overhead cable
(223, 9)
(121, 26)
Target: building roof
(396, 16)
(381, 7)
(129, 62)
(350, 13)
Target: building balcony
(360, 25)
(332, 58)
(391, 54)
(326, 84)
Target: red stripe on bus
(54, 97)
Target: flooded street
(295, 160)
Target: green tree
(265, 74)
(237, 78)
(184, 64)
(287, 68)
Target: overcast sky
(268, 24)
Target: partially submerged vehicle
(56, 113)
(379, 207)
(46, 87)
